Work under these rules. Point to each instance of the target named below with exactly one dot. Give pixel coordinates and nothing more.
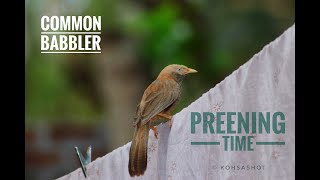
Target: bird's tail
(138, 150)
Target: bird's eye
(179, 69)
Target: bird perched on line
(156, 106)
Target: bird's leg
(168, 117)
(154, 129)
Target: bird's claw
(155, 133)
(166, 116)
(170, 123)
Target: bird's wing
(156, 98)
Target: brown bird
(156, 106)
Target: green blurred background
(82, 99)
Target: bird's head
(175, 71)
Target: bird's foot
(154, 129)
(170, 123)
(168, 117)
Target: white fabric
(265, 83)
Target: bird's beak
(191, 71)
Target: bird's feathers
(161, 96)
(138, 151)
(157, 97)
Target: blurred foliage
(50, 94)
(164, 35)
(215, 37)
